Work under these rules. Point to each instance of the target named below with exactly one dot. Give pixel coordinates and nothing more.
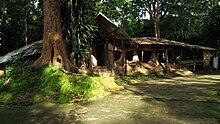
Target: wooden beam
(106, 35)
(106, 53)
(123, 60)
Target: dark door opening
(100, 55)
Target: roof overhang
(108, 30)
(152, 41)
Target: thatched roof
(150, 41)
(107, 29)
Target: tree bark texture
(153, 8)
(156, 27)
(54, 48)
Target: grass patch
(49, 84)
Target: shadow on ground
(190, 100)
(43, 113)
(181, 99)
(175, 100)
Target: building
(114, 49)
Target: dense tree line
(196, 21)
(20, 24)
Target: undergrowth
(49, 84)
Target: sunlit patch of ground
(178, 100)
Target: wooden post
(125, 64)
(194, 60)
(167, 60)
(142, 56)
(106, 53)
(194, 63)
(180, 61)
(123, 59)
(113, 59)
(206, 59)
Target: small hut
(153, 49)
(109, 49)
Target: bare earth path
(177, 100)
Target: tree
(211, 29)
(184, 19)
(126, 13)
(54, 48)
(78, 28)
(19, 19)
(153, 8)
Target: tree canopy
(194, 21)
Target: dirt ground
(191, 100)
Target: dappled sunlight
(50, 84)
(130, 107)
(185, 99)
(126, 109)
(210, 77)
(188, 80)
(160, 100)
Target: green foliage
(20, 23)
(17, 63)
(79, 27)
(179, 20)
(62, 87)
(211, 27)
(128, 14)
(11, 68)
(2, 80)
(49, 84)
(183, 19)
(6, 97)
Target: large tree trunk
(156, 27)
(153, 8)
(54, 48)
